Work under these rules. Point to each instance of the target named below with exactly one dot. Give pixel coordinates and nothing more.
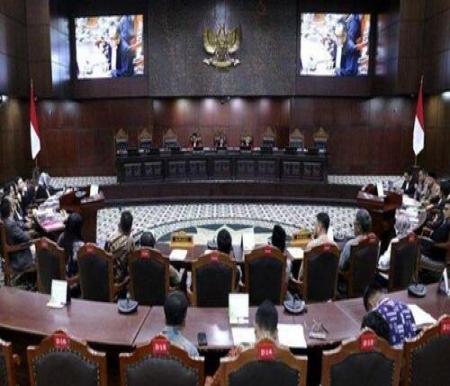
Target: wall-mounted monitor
(109, 46)
(333, 44)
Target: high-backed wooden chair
(363, 265)
(404, 262)
(8, 362)
(320, 139)
(60, 359)
(95, 267)
(426, 356)
(367, 360)
(265, 275)
(297, 139)
(121, 142)
(50, 264)
(213, 279)
(149, 276)
(160, 363)
(320, 273)
(264, 365)
(7, 250)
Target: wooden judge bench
(80, 202)
(382, 211)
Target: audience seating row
(367, 360)
(214, 275)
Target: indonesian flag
(419, 127)
(34, 127)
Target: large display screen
(334, 44)
(109, 46)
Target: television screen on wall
(109, 46)
(333, 44)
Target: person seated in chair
(71, 241)
(22, 260)
(320, 237)
(433, 190)
(433, 249)
(408, 185)
(120, 244)
(377, 324)
(148, 240)
(402, 228)
(421, 186)
(195, 140)
(362, 227)
(396, 313)
(225, 245)
(266, 327)
(44, 189)
(279, 241)
(175, 310)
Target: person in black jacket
(22, 260)
(409, 187)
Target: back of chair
(264, 365)
(213, 278)
(7, 371)
(60, 359)
(95, 268)
(265, 272)
(160, 363)
(50, 264)
(363, 264)
(427, 356)
(367, 360)
(320, 273)
(149, 276)
(404, 262)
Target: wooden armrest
(120, 286)
(19, 247)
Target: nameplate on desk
(181, 240)
(58, 297)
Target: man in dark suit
(409, 185)
(22, 260)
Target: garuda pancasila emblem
(222, 45)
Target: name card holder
(181, 240)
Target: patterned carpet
(204, 220)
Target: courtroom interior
(225, 192)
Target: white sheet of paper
(94, 190)
(58, 295)
(421, 317)
(243, 335)
(178, 254)
(291, 335)
(248, 240)
(296, 253)
(238, 308)
(380, 189)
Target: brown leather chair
(8, 362)
(6, 250)
(266, 364)
(265, 273)
(363, 265)
(62, 359)
(160, 363)
(404, 262)
(149, 276)
(367, 360)
(426, 356)
(320, 274)
(213, 278)
(50, 264)
(95, 267)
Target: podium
(382, 210)
(80, 202)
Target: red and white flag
(34, 127)
(419, 126)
